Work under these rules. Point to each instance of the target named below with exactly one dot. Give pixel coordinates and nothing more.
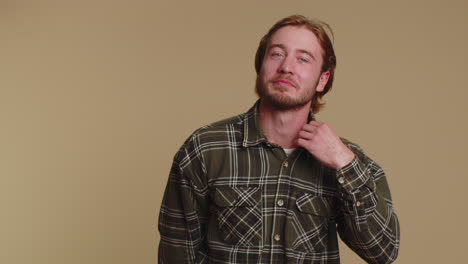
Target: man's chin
(285, 103)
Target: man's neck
(281, 127)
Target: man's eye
(303, 60)
(276, 54)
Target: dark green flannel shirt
(233, 197)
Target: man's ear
(322, 81)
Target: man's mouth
(283, 82)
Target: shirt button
(341, 180)
(277, 237)
(285, 164)
(280, 202)
(358, 203)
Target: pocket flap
(313, 204)
(237, 196)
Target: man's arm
(368, 224)
(183, 213)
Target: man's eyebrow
(281, 46)
(308, 53)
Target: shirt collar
(253, 134)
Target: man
(274, 185)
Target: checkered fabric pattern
(233, 197)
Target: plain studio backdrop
(97, 96)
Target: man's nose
(286, 66)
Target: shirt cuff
(354, 175)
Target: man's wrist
(346, 158)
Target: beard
(277, 98)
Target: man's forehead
(295, 37)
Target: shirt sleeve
(368, 223)
(182, 215)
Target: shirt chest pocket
(239, 216)
(308, 227)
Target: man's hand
(322, 142)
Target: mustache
(285, 78)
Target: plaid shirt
(233, 197)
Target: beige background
(97, 96)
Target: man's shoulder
(218, 130)
(233, 120)
(222, 124)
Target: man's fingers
(311, 126)
(305, 134)
(315, 123)
(301, 142)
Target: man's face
(291, 69)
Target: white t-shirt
(288, 151)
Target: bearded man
(273, 185)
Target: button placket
(279, 201)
